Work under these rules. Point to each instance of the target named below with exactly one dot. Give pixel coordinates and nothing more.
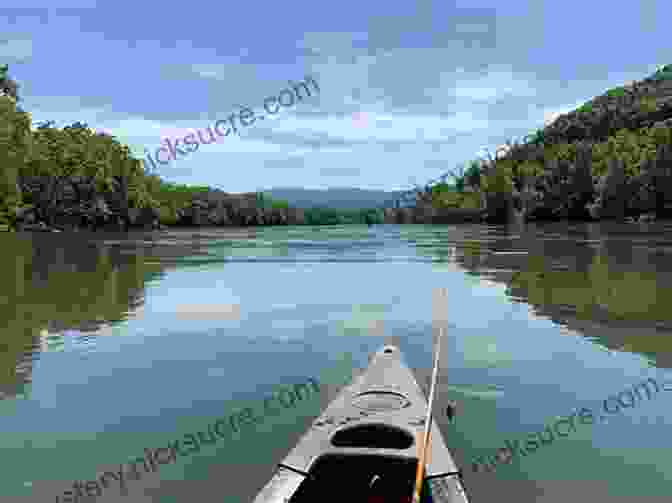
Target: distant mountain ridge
(337, 198)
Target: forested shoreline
(609, 159)
(73, 178)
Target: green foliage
(442, 188)
(279, 204)
(181, 188)
(585, 108)
(8, 86)
(500, 178)
(444, 195)
(472, 175)
(331, 216)
(15, 147)
(560, 151)
(616, 92)
(168, 214)
(320, 215)
(633, 147)
(471, 200)
(170, 197)
(538, 138)
(75, 150)
(530, 168)
(663, 73)
(647, 105)
(661, 135)
(267, 202)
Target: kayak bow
(364, 446)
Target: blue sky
(407, 90)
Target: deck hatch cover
(375, 436)
(380, 401)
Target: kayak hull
(370, 431)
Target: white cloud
(388, 127)
(464, 28)
(550, 114)
(19, 49)
(210, 71)
(493, 86)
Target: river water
(116, 343)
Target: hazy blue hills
(337, 198)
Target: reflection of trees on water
(610, 282)
(51, 284)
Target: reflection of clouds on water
(217, 372)
(480, 350)
(71, 340)
(208, 312)
(284, 306)
(483, 391)
(297, 324)
(365, 319)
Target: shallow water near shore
(116, 343)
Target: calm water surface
(114, 343)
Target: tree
(457, 175)
(7, 85)
(472, 175)
(15, 147)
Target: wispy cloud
(16, 49)
(495, 85)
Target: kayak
(364, 447)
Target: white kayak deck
(385, 394)
(365, 444)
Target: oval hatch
(380, 436)
(380, 401)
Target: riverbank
(76, 178)
(430, 215)
(571, 191)
(80, 206)
(610, 159)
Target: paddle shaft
(419, 475)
